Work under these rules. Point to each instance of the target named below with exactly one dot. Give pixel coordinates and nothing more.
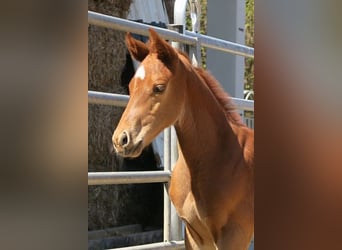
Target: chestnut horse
(212, 184)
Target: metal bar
(190, 38)
(111, 22)
(174, 148)
(176, 223)
(167, 202)
(174, 245)
(223, 45)
(107, 178)
(95, 97)
(243, 104)
(180, 29)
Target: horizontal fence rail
(95, 97)
(138, 28)
(189, 38)
(131, 177)
(243, 104)
(223, 45)
(174, 245)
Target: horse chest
(188, 209)
(180, 191)
(198, 231)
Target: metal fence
(171, 237)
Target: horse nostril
(124, 139)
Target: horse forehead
(145, 68)
(140, 73)
(142, 77)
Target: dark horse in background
(212, 184)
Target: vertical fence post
(167, 202)
(176, 223)
(179, 29)
(195, 54)
(195, 14)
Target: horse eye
(159, 88)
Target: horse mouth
(131, 152)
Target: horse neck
(202, 128)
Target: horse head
(155, 95)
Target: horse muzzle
(125, 145)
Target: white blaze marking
(140, 72)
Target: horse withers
(212, 184)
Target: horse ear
(138, 49)
(165, 52)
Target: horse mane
(220, 95)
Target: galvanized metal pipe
(167, 202)
(107, 178)
(223, 45)
(116, 23)
(170, 245)
(176, 223)
(189, 37)
(95, 97)
(243, 104)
